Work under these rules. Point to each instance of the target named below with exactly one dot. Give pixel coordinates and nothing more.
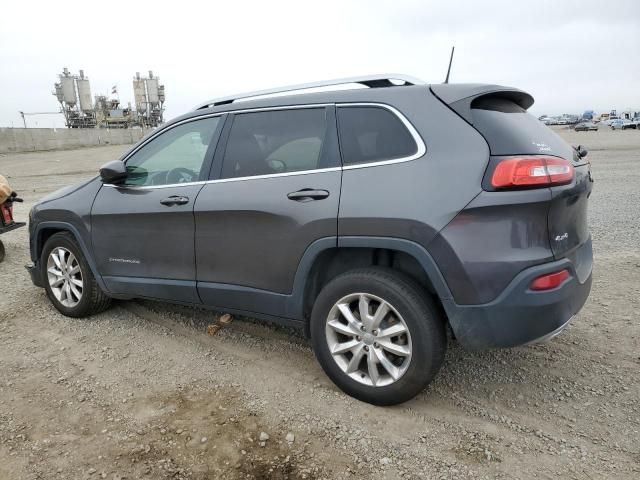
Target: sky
(571, 55)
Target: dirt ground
(141, 391)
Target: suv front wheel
(377, 335)
(68, 279)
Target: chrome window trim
(274, 175)
(227, 180)
(155, 187)
(421, 147)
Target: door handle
(307, 195)
(175, 200)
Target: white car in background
(619, 124)
(634, 124)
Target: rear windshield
(510, 130)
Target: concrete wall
(36, 139)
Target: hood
(63, 192)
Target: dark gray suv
(373, 217)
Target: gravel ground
(141, 391)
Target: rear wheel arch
(350, 253)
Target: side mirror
(582, 152)
(113, 172)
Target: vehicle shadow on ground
(482, 375)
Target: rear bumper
(519, 315)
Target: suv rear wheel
(377, 335)
(69, 282)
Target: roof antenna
(446, 80)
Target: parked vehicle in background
(586, 127)
(618, 124)
(588, 115)
(373, 218)
(610, 120)
(632, 124)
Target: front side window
(371, 134)
(175, 156)
(276, 141)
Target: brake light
(550, 280)
(531, 171)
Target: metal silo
(84, 93)
(58, 92)
(77, 114)
(152, 90)
(139, 93)
(68, 90)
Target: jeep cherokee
(376, 218)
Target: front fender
(37, 244)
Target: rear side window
(510, 130)
(278, 141)
(371, 134)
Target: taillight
(550, 280)
(531, 171)
(7, 218)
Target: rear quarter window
(510, 130)
(372, 134)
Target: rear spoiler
(459, 97)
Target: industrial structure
(80, 111)
(149, 98)
(110, 115)
(74, 94)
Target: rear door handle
(307, 195)
(175, 200)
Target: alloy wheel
(65, 277)
(368, 339)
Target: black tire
(423, 320)
(1, 251)
(93, 299)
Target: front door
(277, 192)
(143, 230)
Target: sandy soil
(141, 391)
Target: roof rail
(372, 81)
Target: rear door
(275, 190)
(143, 230)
